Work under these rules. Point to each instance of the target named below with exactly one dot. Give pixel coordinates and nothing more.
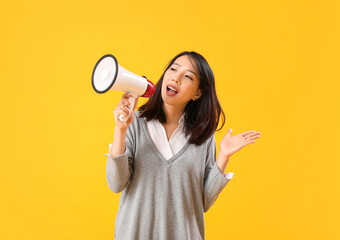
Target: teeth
(172, 89)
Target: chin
(168, 101)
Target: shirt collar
(181, 120)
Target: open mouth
(171, 91)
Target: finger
(124, 115)
(126, 95)
(125, 102)
(125, 99)
(252, 138)
(252, 135)
(125, 109)
(247, 132)
(121, 109)
(122, 106)
(250, 142)
(228, 134)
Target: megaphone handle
(132, 100)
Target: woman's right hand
(122, 108)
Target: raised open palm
(231, 144)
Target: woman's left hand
(230, 145)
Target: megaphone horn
(109, 75)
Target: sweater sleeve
(214, 180)
(119, 170)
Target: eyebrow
(187, 69)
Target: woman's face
(180, 82)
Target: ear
(198, 94)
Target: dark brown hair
(202, 115)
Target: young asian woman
(163, 158)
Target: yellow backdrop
(276, 65)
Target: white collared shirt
(176, 142)
(160, 139)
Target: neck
(172, 113)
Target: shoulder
(209, 144)
(138, 113)
(137, 119)
(134, 130)
(137, 122)
(211, 140)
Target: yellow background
(276, 65)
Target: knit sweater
(163, 199)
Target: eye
(187, 76)
(172, 69)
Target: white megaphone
(108, 75)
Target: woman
(164, 159)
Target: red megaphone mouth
(150, 90)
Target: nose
(176, 79)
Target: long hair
(202, 116)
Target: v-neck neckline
(164, 160)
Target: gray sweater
(162, 199)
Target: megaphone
(108, 75)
